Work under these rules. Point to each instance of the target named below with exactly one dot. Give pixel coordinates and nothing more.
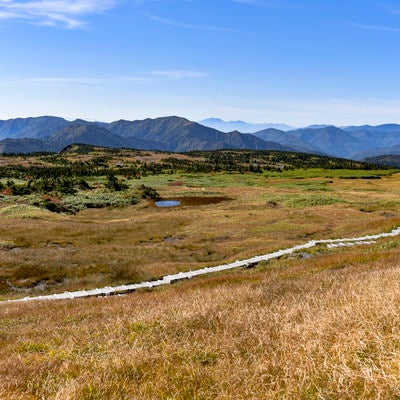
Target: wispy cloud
(264, 3)
(389, 6)
(179, 74)
(84, 80)
(336, 111)
(253, 2)
(146, 77)
(377, 27)
(184, 25)
(61, 13)
(256, 2)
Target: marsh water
(168, 203)
(191, 201)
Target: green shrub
(115, 184)
(148, 192)
(312, 201)
(99, 199)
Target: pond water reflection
(168, 203)
(191, 201)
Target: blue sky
(292, 61)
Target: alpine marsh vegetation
(315, 326)
(104, 230)
(323, 327)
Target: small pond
(168, 203)
(191, 201)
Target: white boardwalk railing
(168, 279)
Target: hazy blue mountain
(241, 126)
(26, 145)
(371, 137)
(168, 134)
(352, 128)
(377, 128)
(330, 140)
(377, 152)
(85, 134)
(37, 127)
(179, 134)
(317, 126)
(244, 140)
(392, 160)
(287, 139)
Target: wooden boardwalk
(168, 279)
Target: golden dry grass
(47, 253)
(325, 327)
(123, 155)
(320, 328)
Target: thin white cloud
(147, 77)
(389, 7)
(7, 15)
(263, 3)
(63, 13)
(85, 80)
(336, 111)
(184, 25)
(179, 74)
(377, 27)
(253, 2)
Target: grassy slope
(325, 327)
(123, 245)
(309, 328)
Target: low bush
(99, 199)
(312, 201)
(148, 192)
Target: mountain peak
(241, 126)
(319, 126)
(177, 134)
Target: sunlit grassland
(44, 252)
(296, 328)
(321, 325)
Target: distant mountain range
(389, 160)
(352, 142)
(241, 126)
(176, 134)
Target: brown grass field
(325, 326)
